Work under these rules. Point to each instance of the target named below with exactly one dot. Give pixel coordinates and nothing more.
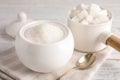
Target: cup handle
(114, 42)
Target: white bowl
(91, 37)
(44, 57)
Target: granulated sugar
(44, 33)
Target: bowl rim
(37, 22)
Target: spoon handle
(114, 42)
(67, 72)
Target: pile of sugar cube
(89, 14)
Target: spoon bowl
(86, 61)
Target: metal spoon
(83, 63)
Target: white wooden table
(51, 9)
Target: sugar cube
(103, 19)
(76, 19)
(94, 9)
(89, 18)
(96, 21)
(103, 12)
(83, 14)
(74, 13)
(84, 22)
(83, 6)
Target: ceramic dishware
(44, 57)
(93, 37)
